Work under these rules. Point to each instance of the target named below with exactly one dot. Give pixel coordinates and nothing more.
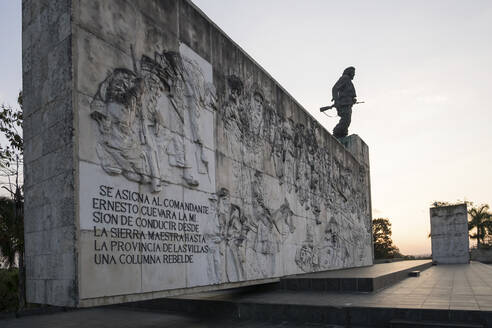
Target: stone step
(233, 308)
(363, 279)
(405, 304)
(431, 324)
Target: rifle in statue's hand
(322, 109)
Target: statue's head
(349, 71)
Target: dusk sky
(423, 70)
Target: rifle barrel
(322, 109)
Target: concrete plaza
(445, 294)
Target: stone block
(449, 234)
(96, 58)
(49, 241)
(224, 53)
(194, 29)
(58, 111)
(163, 13)
(358, 148)
(33, 149)
(59, 69)
(50, 165)
(36, 291)
(49, 215)
(29, 10)
(318, 284)
(113, 21)
(348, 285)
(61, 292)
(99, 280)
(333, 285)
(87, 131)
(29, 105)
(157, 26)
(54, 241)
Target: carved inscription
(138, 228)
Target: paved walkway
(459, 286)
(454, 287)
(442, 287)
(130, 318)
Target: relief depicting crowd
(143, 115)
(332, 196)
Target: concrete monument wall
(161, 159)
(449, 234)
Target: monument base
(357, 147)
(363, 279)
(415, 299)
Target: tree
(481, 220)
(11, 232)
(438, 203)
(383, 245)
(11, 127)
(11, 209)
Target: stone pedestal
(357, 147)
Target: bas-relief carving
(334, 248)
(149, 117)
(272, 227)
(324, 187)
(250, 237)
(145, 116)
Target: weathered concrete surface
(49, 181)
(449, 234)
(160, 158)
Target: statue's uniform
(344, 96)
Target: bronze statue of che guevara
(344, 96)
